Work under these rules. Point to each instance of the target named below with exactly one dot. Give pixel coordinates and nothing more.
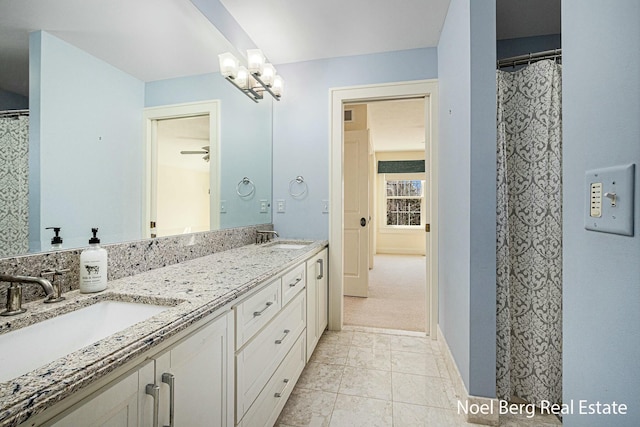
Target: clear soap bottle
(93, 266)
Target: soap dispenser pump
(56, 241)
(93, 266)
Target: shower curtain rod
(529, 58)
(14, 113)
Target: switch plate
(264, 206)
(325, 206)
(223, 206)
(609, 201)
(281, 205)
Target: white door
(356, 213)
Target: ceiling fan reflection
(205, 151)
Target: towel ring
(300, 181)
(246, 181)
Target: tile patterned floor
(361, 378)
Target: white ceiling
(159, 39)
(183, 134)
(149, 39)
(397, 125)
(294, 30)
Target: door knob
(363, 222)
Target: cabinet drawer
(259, 359)
(292, 283)
(255, 312)
(267, 407)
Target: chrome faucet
(57, 286)
(262, 236)
(14, 293)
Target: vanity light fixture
(255, 79)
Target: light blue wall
(12, 101)
(245, 140)
(466, 59)
(601, 127)
(301, 127)
(86, 122)
(524, 45)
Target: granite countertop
(193, 290)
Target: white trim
(150, 117)
(491, 419)
(337, 98)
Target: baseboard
(486, 409)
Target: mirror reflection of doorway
(182, 168)
(182, 176)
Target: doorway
(427, 90)
(182, 169)
(389, 291)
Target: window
(404, 202)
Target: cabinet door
(117, 406)
(202, 370)
(312, 304)
(317, 299)
(322, 280)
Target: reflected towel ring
(300, 181)
(246, 181)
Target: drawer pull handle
(286, 332)
(153, 390)
(293, 284)
(286, 381)
(259, 313)
(170, 380)
(321, 275)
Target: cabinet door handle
(281, 392)
(259, 313)
(293, 284)
(321, 275)
(153, 390)
(170, 379)
(286, 332)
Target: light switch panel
(281, 206)
(609, 200)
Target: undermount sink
(288, 245)
(31, 347)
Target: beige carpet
(396, 295)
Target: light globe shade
(268, 74)
(228, 65)
(242, 79)
(256, 60)
(278, 86)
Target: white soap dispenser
(93, 266)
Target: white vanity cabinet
(117, 405)
(191, 380)
(269, 361)
(317, 298)
(195, 379)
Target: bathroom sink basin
(28, 348)
(288, 245)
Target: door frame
(151, 115)
(353, 94)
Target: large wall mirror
(127, 125)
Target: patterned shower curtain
(529, 234)
(14, 185)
